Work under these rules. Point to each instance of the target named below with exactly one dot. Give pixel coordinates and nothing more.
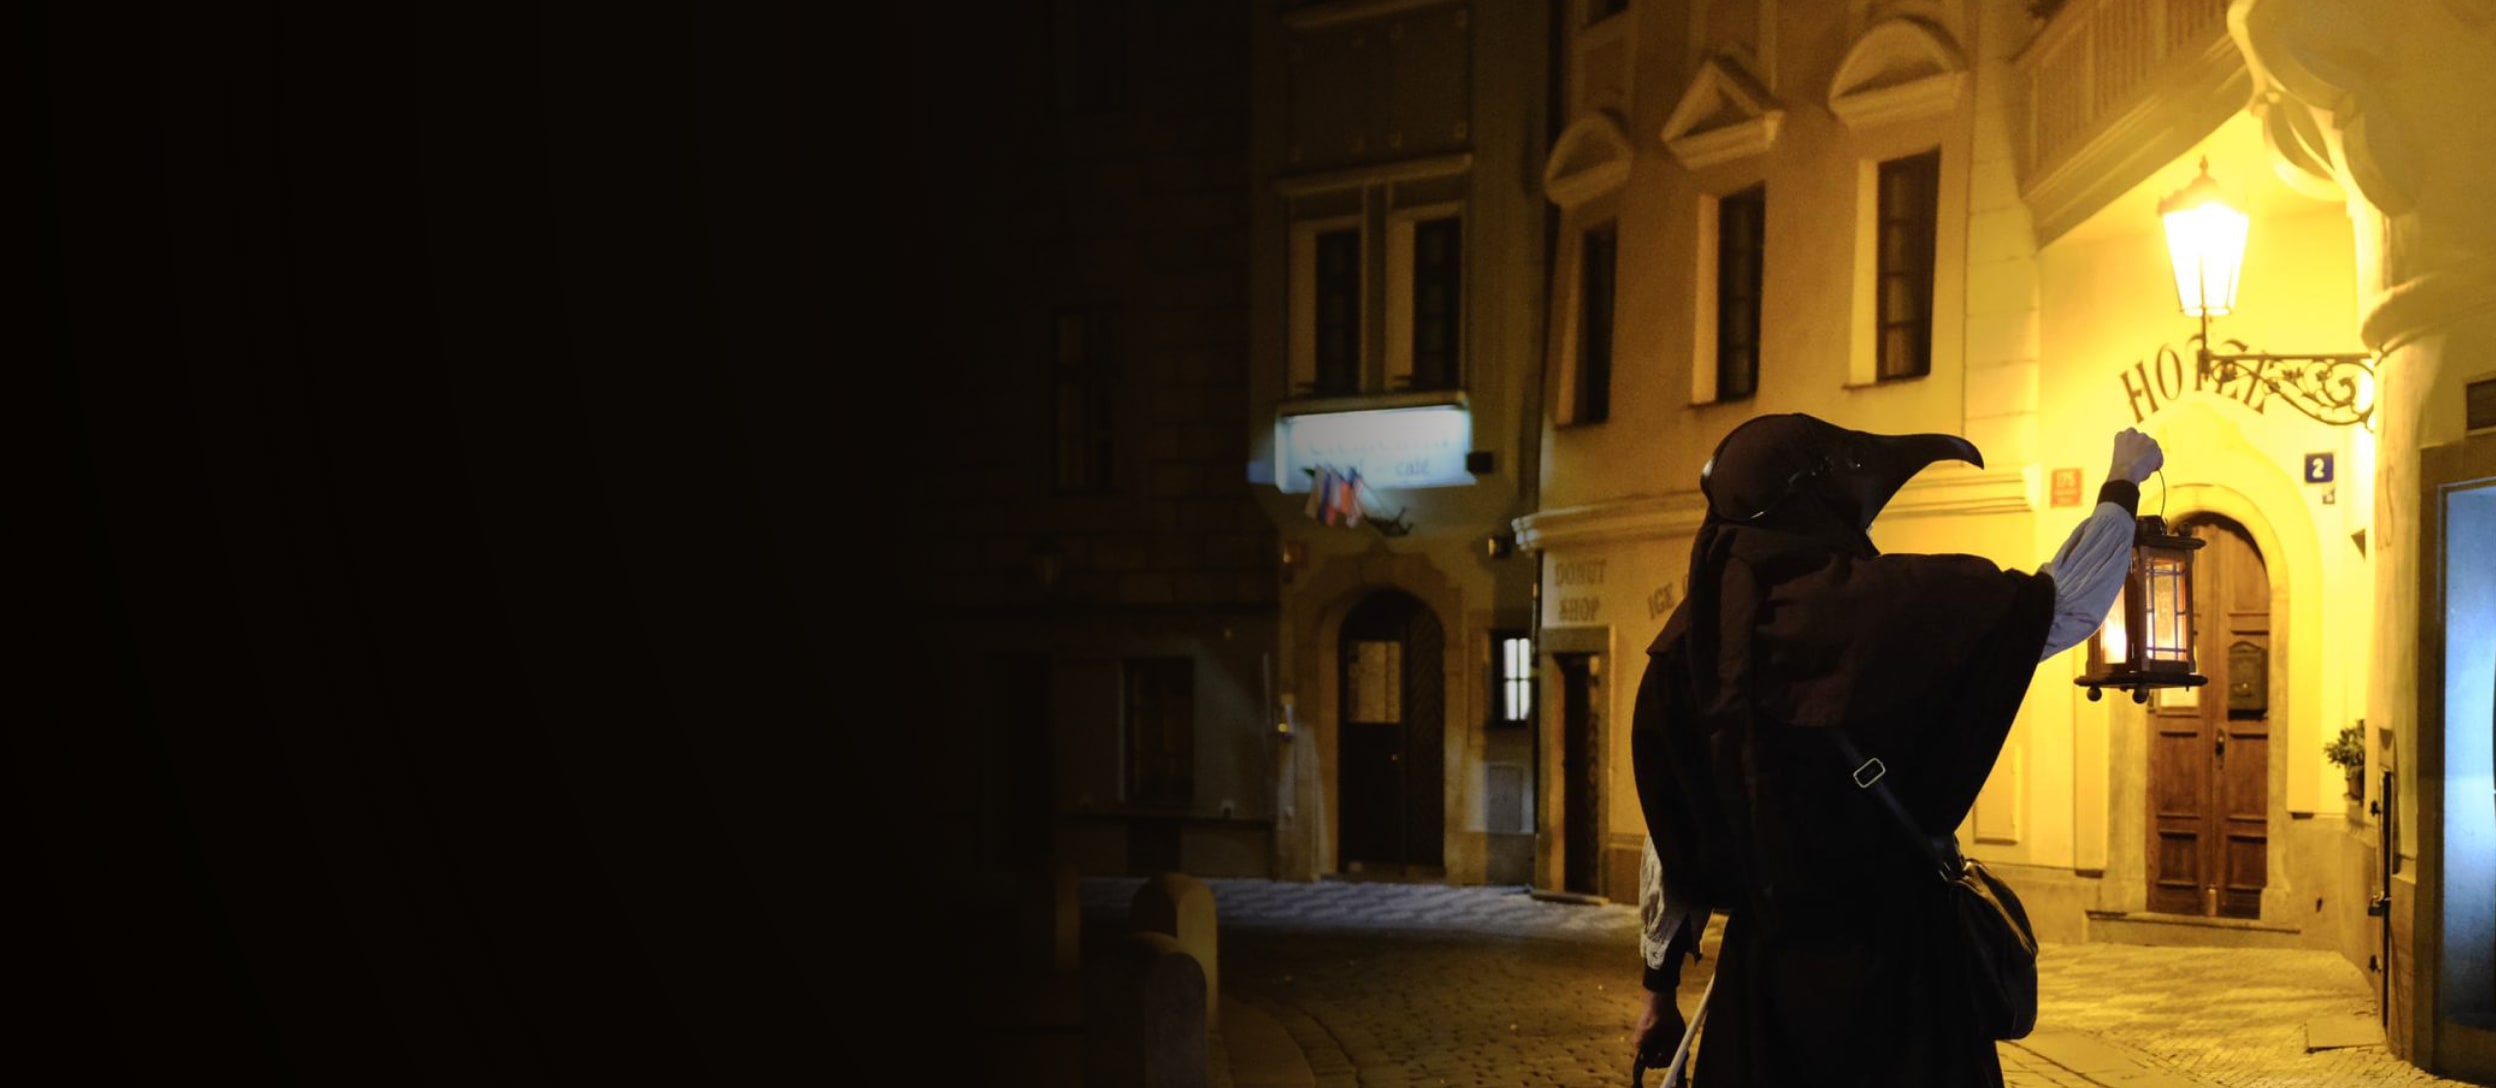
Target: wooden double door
(2210, 747)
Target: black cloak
(1835, 966)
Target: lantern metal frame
(2137, 672)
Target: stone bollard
(1182, 907)
(1144, 1016)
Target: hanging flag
(1317, 494)
(1352, 505)
(1325, 503)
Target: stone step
(2185, 930)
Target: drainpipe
(2387, 859)
(1530, 451)
(1534, 743)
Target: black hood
(1805, 475)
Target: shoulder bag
(2000, 966)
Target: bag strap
(1867, 775)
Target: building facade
(1396, 271)
(1097, 575)
(1944, 215)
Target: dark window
(1339, 313)
(1512, 678)
(1161, 731)
(1741, 261)
(1594, 326)
(1091, 56)
(1085, 388)
(2479, 404)
(1438, 251)
(1910, 196)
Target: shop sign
(1662, 599)
(1389, 447)
(1585, 576)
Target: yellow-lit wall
(1619, 496)
(2111, 305)
(2031, 344)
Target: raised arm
(2088, 570)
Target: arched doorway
(1392, 783)
(2210, 747)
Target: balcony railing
(2107, 84)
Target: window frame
(1172, 785)
(1091, 75)
(1505, 686)
(1304, 380)
(1091, 376)
(1918, 271)
(1707, 369)
(1403, 297)
(1589, 394)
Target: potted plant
(2348, 751)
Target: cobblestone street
(1376, 984)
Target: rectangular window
(1598, 251)
(1084, 388)
(1338, 310)
(1741, 269)
(1512, 678)
(1161, 731)
(1091, 56)
(2478, 408)
(1424, 298)
(1438, 314)
(1910, 201)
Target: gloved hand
(2136, 456)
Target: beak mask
(1772, 467)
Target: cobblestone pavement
(1386, 985)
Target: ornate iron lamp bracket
(2336, 389)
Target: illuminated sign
(1391, 447)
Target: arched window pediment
(1590, 159)
(1902, 69)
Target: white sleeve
(1658, 919)
(1652, 932)
(2088, 576)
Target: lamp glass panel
(2169, 638)
(2113, 642)
(2206, 242)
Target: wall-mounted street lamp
(2148, 641)
(2206, 242)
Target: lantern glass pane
(2206, 243)
(2170, 612)
(2112, 640)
